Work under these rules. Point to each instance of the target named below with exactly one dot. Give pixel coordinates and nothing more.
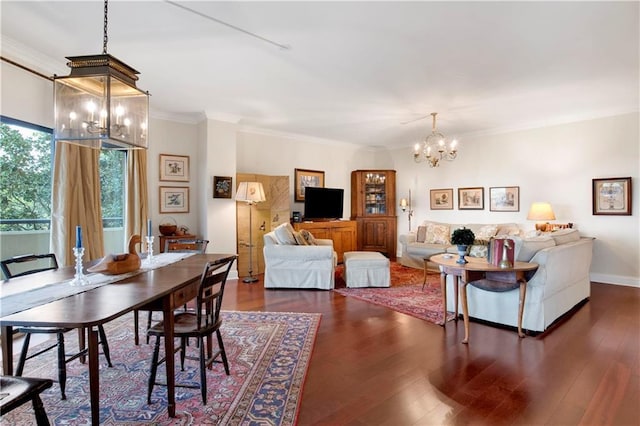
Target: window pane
(112, 172)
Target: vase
(462, 251)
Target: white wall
(554, 164)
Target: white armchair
(299, 266)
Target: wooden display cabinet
(373, 207)
(342, 232)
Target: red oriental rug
(268, 354)
(405, 294)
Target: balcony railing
(45, 224)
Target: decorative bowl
(167, 229)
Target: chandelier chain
(105, 38)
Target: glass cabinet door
(375, 194)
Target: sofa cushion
(421, 234)
(478, 250)
(564, 236)
(527, 248)
(437, 234)
(308, 237)
(284, 234)
(508, 229)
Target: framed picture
(222, 186)
(174, 199)
(174, 168)
(504, 199)
(441, 199)
(471, 198)
(305, 178)
(612, 196)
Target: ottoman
(366, 269)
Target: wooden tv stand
(342, 232)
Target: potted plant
(463, 238)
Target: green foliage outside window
(26, 164)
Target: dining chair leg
(154, 369)
(183, 351)
(149, 317)
(38, 408)
(136, 324)
(203, 372)
(62, 366)
(223, 354)
(23, 354)
(105, 345)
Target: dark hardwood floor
(374, 366)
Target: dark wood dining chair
(15, 391)
(30, 264)
(172, 245)
(199, 324)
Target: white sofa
(289, 264)
(560, 282)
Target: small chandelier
(435, 148)
(98, 104)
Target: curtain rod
(39, 74)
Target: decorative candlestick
(149, 259)
(79, 277)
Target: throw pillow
(437, 234)
(478, 250)
(308, 237)
(507, 229)
(486, 232)
(422, 234)
(284, 234)
(300, 239)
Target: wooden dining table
(162, 289)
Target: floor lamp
(250, 193)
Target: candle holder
(149, 259)
(79, 277)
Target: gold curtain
(76, 202)
(137, 205)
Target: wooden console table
(344, 234)
(163, 238)
(479, 273)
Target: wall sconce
(406, 204)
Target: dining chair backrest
(209, 300)
(26, 264)
(185, 246)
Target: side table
(481, 274)
(163, 238)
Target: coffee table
(484, 275)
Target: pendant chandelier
(435, 147)
(98, 104)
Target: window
(26, 164)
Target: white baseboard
(615, 279)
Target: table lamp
(541, 212)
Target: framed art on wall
(304, 178)
(441, 199)
(471, 198)
(174, 168)
(174, 199)
(504, 199)
(612, 196)
(222, 186)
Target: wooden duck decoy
(114, 264)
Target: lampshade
(250, 192)
(541, 211)
(403, 203)
(98, 104)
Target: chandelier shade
(98, 104)
(435, 148)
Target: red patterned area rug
(268, 356)
(405, 294)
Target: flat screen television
(323, 203)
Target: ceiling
(358, 72)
